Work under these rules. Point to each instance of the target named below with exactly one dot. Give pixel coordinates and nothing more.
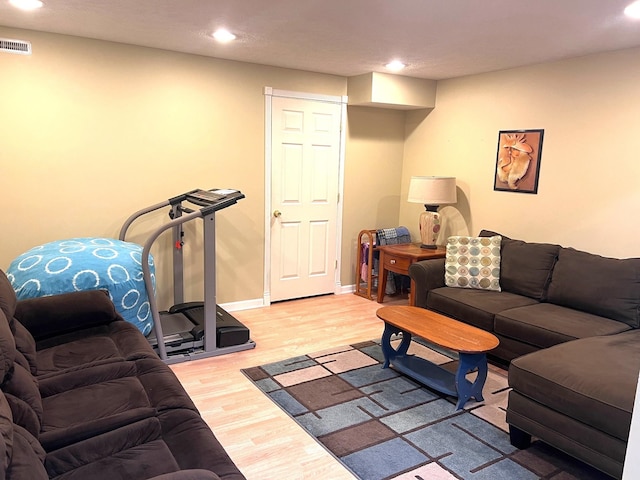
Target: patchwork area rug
(383, 425)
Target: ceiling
(438, 39)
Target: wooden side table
(398, 258)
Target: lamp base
(429, 227)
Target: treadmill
(191, 330)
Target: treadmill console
(214, 199)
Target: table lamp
(431, 192)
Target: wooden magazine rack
(365, 273)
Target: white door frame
(269, 93)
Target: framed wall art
(518, 160)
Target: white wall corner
(384, 90)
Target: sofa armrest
(192, 474)
(45, 317)
(427, 275)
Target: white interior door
(305, 178)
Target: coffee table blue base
(432, 375)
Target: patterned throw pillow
(473, 262)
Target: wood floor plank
(260, 438)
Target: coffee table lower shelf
(433, 375)
(427, 373)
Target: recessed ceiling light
(633, 10)
(223, 36)
(26, 4)
(395, 66)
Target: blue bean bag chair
(87, 264)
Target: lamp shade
(432, 190)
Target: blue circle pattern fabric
(87, 264)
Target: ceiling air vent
(20, 47)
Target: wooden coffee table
(470, 342)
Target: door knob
(277, 213)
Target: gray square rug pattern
(382, 425)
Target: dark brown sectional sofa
(568, 323)
(85, 397)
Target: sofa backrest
(7, 348)
(16, 343)
(525, 267)
(21, 455)
(17, 381)
(8, 299)
(608, 287)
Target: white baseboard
(261, 302)
(243, 305)
(347, 289)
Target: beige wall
(589, 187)
(100, 130)
(93, 131)
(373, 172)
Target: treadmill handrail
(146, 274)
(139, 213)
(172, 201)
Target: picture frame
(518, 161)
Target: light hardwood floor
(261, 439)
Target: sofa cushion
(595, 385)
(525, 267)
(26, 345)
(86, 402)
(608, 287)
(163, 389)
(8, 298)
(83, 377)
(175, 439)
(22, 414)
(24, 397)
(53, 316)
(77, 354)
(194, 445)
(546, 324)
(62, 437)
(114, 342)
(27, 460)
(7, 347)
(6, 433)
(475, 307)
(473, 262)
(92, 402)
(134, 451)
